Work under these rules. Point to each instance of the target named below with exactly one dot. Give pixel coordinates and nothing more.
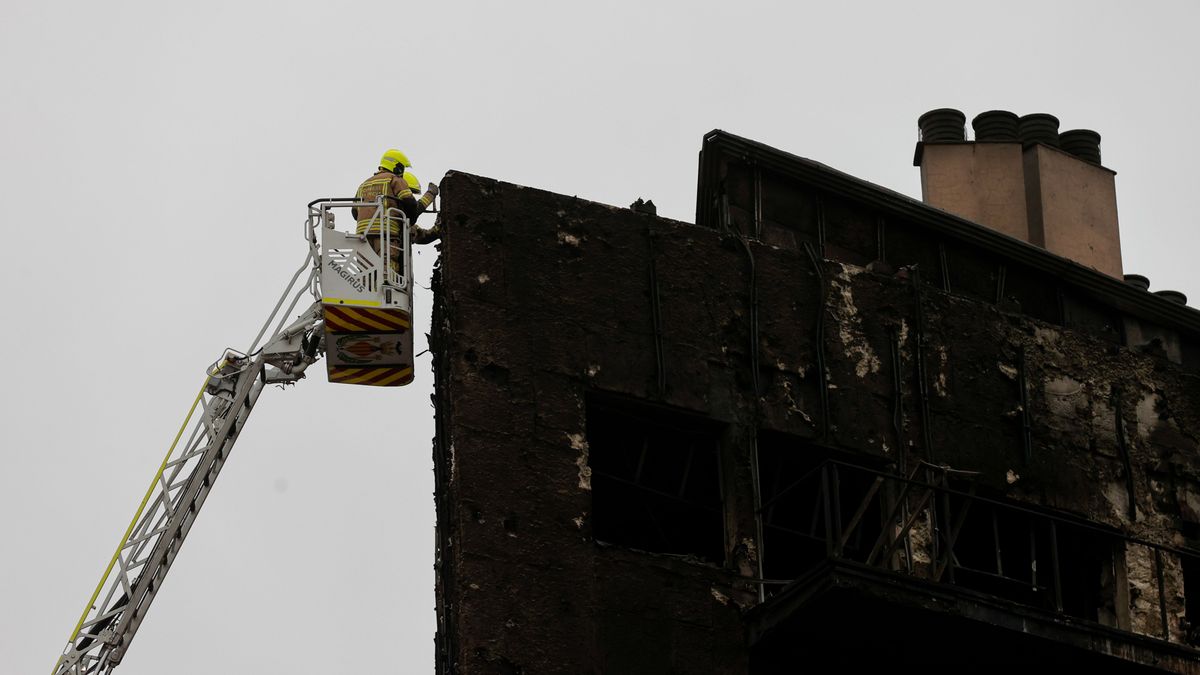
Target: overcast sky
(155, 163)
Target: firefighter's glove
(432, 189)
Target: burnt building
(825, 423)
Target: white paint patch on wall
(850, 331)
(1147, 414)
(579, 442)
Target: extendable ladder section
(186, 476)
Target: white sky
(156, 157)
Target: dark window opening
(1191, 597)
(1083, 556)
(816, 505)
(1191, 354)
(1029, 558)
(1189, 563)
(908, 246)
(850, 232)
(1092, 317)
(739, 197)
(971, 273)
(995, 551)
(655, 478)
(799, 485)
(1031, 293)
(789, 212)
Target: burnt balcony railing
(933, 526)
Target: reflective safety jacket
(396, 195)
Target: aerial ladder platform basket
(360, 318)
(367, 302)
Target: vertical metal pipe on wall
(1162, 593)
(922, 385)
(758, 208)
(1058, 601)
(756, 481)
(898, 403)
(819, 341)
(656, 319)
(1026, 418)
(1123, 448)
(880, 239)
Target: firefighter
(416, 207)
(389, 182)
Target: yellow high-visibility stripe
(384, 184)
(141, 507)
(335, 324)
(363, 318)
(348, 301)
(392, 378)
(365, 376)
(372, 372)
(372, 227)
(351, 322)
(344, 375)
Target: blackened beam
(1026, 417)
(660, 367)
(819, 341)
(1123, 447)
(922, 385)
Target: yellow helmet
(414, 183)
(392, 159)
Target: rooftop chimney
(1023, 178)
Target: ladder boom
(184, 480)
(361, 312)
(195, 490)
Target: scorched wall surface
(546, 305)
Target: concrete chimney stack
(1023, 178)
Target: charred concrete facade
(825, 423)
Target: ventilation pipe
(943, 125)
